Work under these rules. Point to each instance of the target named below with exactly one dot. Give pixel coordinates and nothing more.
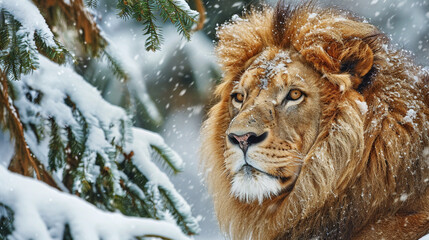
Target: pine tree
(65, 134)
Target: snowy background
(176, 82)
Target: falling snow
(407, 23)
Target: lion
(320, 129)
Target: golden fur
(356, 173)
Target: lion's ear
(339, 46)
(356, 58)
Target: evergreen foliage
(6, 220)
(144, 11)
(20, 47)
(65, 134)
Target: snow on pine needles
(41, 213)
(86, 146)
(93, 150)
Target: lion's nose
(245, 140)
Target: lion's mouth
(248, 171)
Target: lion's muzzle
(245, 140)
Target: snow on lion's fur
(347, 159)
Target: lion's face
(275, 111)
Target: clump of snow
(363, 107)
(182, 4)
(264, 83)
(272, 67)
(146, 138)
(403, 197)
(41, 212)
(236, 18)
(411, 115)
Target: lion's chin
(249, 185)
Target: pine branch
(165, 154)
(85, 143)
(188, 224)
(4, 33)
(182, 18)
(78, 18)
(82, 139)
(6, 221)
(56, 153)
(154, 38)
(21, 44)
(133, 183)
(23, 161)
(57, 55)
(143, 11)
(91, 3)
(20, 55)
(116, 67)
(69, 216)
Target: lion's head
(311, 126)
(275, 110)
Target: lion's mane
(367, 166)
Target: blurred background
(175, 85)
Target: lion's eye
(238, 97)
(237, 100)
(294, 95)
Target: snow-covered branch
(85, 146)
(42, 212)
(92, 150)
(27, 14)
